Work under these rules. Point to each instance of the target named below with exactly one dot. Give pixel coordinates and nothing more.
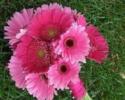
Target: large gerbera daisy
(99, 47)
(16, 71)
(61, 73)
(37, 85)
(35, 54)
(50, 22)
(17, 26)
(74, 44)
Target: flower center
(69, 43)
(63, 68)
(41, 53)
(52, 33)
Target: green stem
(87, 97)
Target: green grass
(103, 82)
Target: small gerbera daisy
(35, 54)
(61, 73)
(16, 71)
(77, 89)
(99, 46)
(37, 85)
(50, 22)
(17, 26)
(74, 44)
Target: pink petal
(16, 71)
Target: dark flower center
(70, 43)
(63, 68)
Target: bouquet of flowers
(48, 43)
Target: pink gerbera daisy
(37, 85)
(61, 73)
(35, 54)
(99, 47)
(17, 26)
(16, 71)
(50, 22)
(77, 89)
(74, 44)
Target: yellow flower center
(41, 53)
(52, 33)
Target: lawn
(103, 81)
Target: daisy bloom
(61, 73)
(77, 89)
(37, 85)
(99, 46)
(17, 26)
(74, 44)
(16, 71)
(35, 54)
(50, 22)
